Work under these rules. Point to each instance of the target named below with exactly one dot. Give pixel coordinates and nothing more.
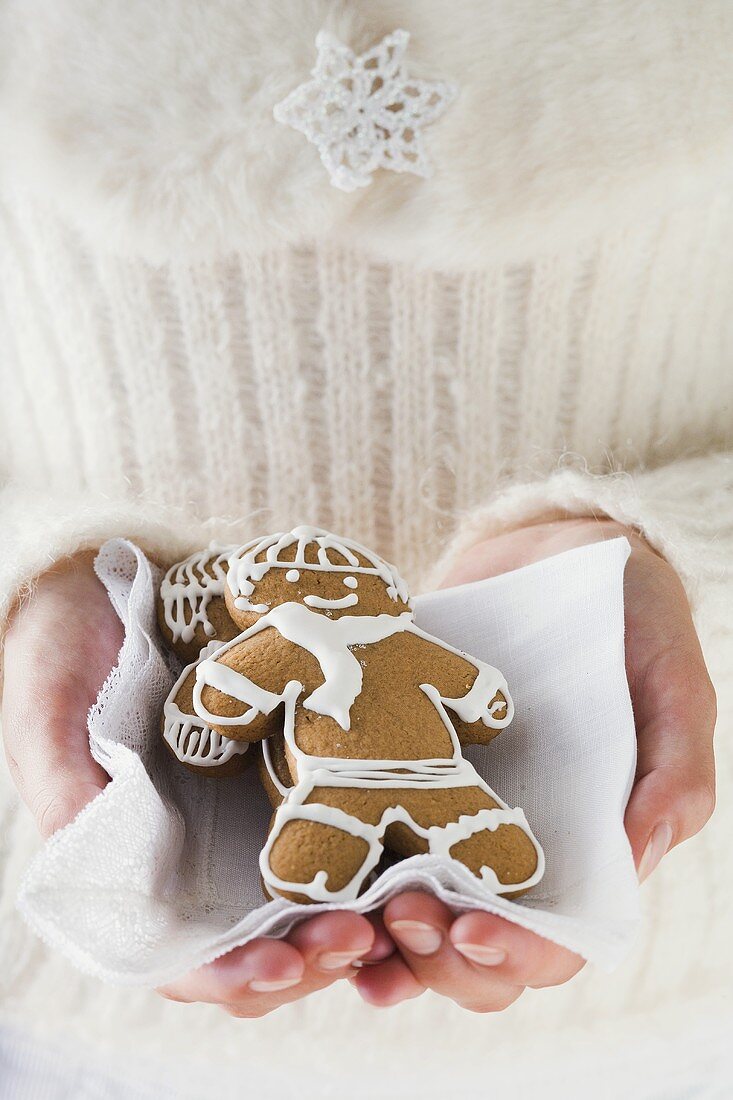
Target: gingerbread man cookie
(362, 716)
(191, 609)
(193, 619)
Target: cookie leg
(468, 825)
(502, 857)
(307, 859)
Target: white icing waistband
(327, 771)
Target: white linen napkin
(159, 873)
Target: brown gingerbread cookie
(193, 618)
(191, 607)
(273, 768)
(362, 717)
(192, 741)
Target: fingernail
(479, 953)
(337, 960)
(420, 938)
(658, 846)
(272, 987)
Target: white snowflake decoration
(364, 112)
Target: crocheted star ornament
(364, 112)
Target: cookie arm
(239, 691)
(231, 701)
(192, 741)
(475, 693)
(474, 733)
(491, 699)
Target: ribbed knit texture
(377, 400)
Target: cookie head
(331, 576)
(191, 608)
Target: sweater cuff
(684, 510)
(38, 530)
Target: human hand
(253, 980)
(483, 962)
(60, 647)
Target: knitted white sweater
(201, 337)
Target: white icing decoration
(211, 674)
(190, 738)
(244, 571)
(351, 582)
(187, 589)
(440, 839)
(364, 112)
(329, 641)
(319, 601)
(292, 575)
(267, 755)
(243, 604)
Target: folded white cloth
(159, 873)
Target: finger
(668, 805)
(674, 792)
(251, 979)
(512, 954)
(47, 692)
(387, 983)
(330, 944)
(47, 749)
(383, 945)
(421, 924)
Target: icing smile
(345, 601)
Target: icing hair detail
(188, 587)
(333, 554)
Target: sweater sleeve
(684, 509)
(39, 529)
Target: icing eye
(351, 582)
(292, 575)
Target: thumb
(674, 792)
(48, 754)
(53, 769)
(59, 647)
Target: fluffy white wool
(685, 509)
(39, 530)
(152, 123)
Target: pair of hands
(63, 642)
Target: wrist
(542, 537)
(583, 529)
